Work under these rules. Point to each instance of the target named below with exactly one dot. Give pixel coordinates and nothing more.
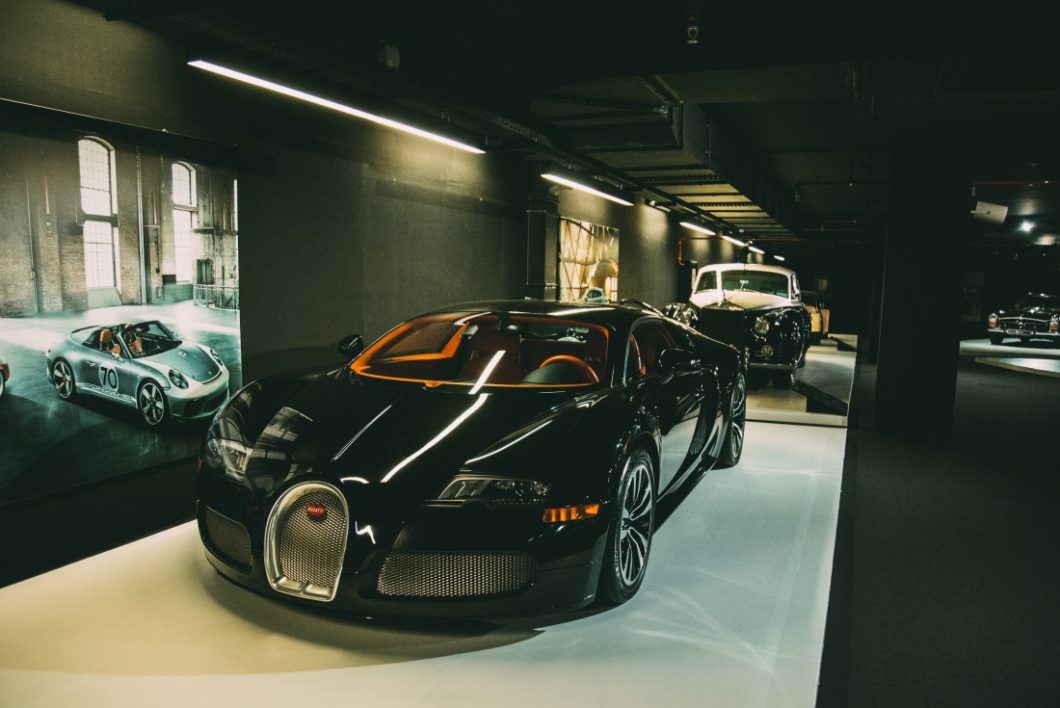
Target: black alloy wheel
(629, 539)
(732, 448)
(63, 379)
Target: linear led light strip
(585, 188)
(779, 258)
(697, 227)
(756, 249)
(333, 105)
(732, 239)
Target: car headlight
(992, 321)
(178, 379)
(1054, 324)
(498, 490)
(761, 326)
(230, 455)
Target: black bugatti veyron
(484, 459)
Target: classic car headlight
(1054, 324)
(178, 379)
(992, 321)
(499, 490)
(761, 326)
(229, 455)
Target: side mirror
(678, 361)
(351, 345)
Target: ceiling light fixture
(551, 177)
(756, 249)
(779, 258)
(332, 105)
(731, 239)
(697, 227)
(1027, 226)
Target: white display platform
(732, 613)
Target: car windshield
(1029, 301)
(762, 281)
(489, 350)
(147, 339)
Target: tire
(783, 379)
(996, 339)
(152, 404)
(63, 380)
(3, 385)
(629, 537)
(732, 448)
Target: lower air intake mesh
(229, 537)
(454, 575)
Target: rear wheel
(63, 380)
(732, 448)
(152, 404)
(629, 539)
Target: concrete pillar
(922, 275)
(542, 242)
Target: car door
(674, 398)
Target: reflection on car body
(483, 459)
(142, 365)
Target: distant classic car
(1035, 316)
(5, 374)
(142, 365)
(774, 327)
(480, 460)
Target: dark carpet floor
(946, 586)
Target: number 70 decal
(108, 378)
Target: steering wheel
(586, 369)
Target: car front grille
(1025, 324)
(304, 553)
(724, 325)
(454, 575)
(228, 537)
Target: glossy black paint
(1035, 316)
(378, 442)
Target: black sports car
(1035, 316)
(483, 459)
(758, 309)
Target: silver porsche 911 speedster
(142, 365)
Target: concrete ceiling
(781, 121)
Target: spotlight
(1027, 226)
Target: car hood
(188, 359)
(1037, 313)
(409, 439)
(738, 300)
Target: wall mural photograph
(588, 262)
(119, 298)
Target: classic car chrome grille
(305, 541)
(454, 575)
(228, 537)
(724, 325)
(1026, 324)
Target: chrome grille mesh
(454, 575)
(311, 551)
(303, 555)
(229, 537)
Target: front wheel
(783, 379)
(152, 404)
(63, 380)
(629, 539)
(732, 448)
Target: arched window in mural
(100, 204)
(185, 219)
